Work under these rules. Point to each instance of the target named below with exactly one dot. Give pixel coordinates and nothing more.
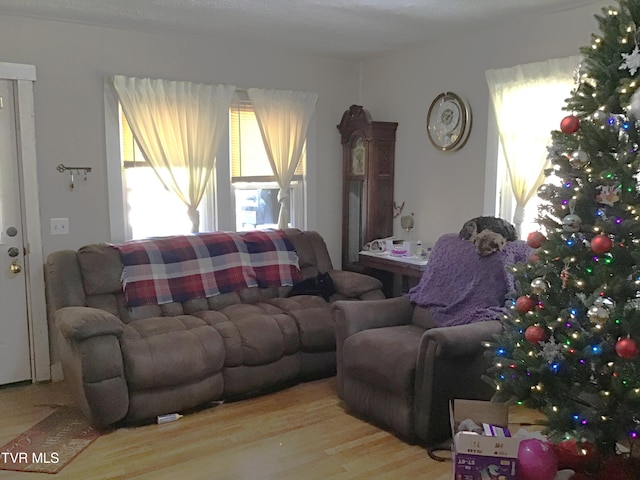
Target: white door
(14, 331)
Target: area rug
(50, 445)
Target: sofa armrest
(79, 323)
(353, 284)
(451, 363)
(354, 316)
(92, 362)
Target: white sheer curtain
(528, 101)
(178, 126)
(283, 117)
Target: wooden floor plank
(300, 433)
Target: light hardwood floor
(300, 433)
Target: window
(244, 199)
(506, 201)
(254, 186)
(151, 209)
(528, 101)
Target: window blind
(249, 160)
(131, 153)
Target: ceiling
(350, 29)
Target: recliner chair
(401, 360)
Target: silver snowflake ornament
(551, 351)
(631, 61)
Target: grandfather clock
(368, 154)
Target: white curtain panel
(528, 101)
(178, 127)
(283, 117)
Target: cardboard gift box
(479, 456)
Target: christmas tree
(570, 343)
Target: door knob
(15, 268)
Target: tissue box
(480, 457)
(398, 248)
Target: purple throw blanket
(459, 286)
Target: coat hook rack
(73, 171)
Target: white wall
(446, 189)
(71, 61)
(443, 189)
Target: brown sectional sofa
(131, 364)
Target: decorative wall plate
(448, 122)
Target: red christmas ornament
(627, 348)
(535, 239)
(536, 460)
(534, 258)
(601, 244)
(525, 304)
(570, 124)
(534, 334)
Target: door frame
(24, 77)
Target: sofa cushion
(246, 380)
(314, 321)
(353, 284)
(317, 329)
(313, 255)
(252, 335)
(218, 302)
(170, 351)
(384, 357)
(101, 269)
(306, 258)
(422, 318)
(104, 301)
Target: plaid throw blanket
(185, 267)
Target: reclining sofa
(129, 364)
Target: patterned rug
(50, 445)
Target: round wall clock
(448, 122)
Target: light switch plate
(59, 226)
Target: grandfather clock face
(357, 156)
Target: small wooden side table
(406, 271)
